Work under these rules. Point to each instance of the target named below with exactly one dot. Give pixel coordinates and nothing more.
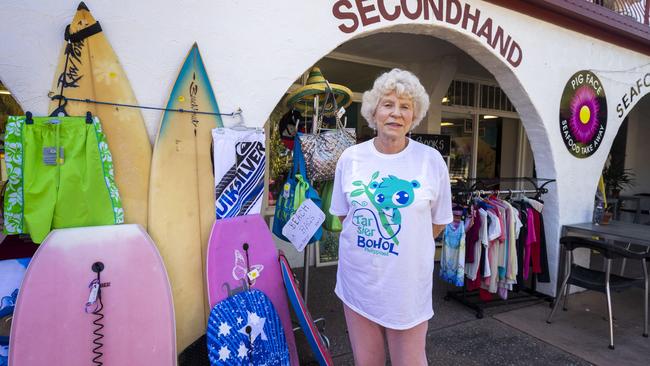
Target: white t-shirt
(386, 248)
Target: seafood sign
(583, 114)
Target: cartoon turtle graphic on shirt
(388, 196)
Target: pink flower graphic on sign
(584, 115)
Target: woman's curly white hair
(404, 83)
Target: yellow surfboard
(181, 196)
(90, 70)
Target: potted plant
(617, 178)
(607, 215)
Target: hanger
(28, 118)
(222, 130)
(483, 204)
(509, 196)
(538, 195)
(60, 110)
(239, 126)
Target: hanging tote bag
(322, 149)
(332, 222)
(294, 192)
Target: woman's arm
(437, 230)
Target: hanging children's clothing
(536, 256)
(452, 262)
(504, 245)
(504, 240)
(481, 234)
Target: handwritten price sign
(303, 224)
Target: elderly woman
(393, 197)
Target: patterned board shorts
(60, 175)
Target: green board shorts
(60, 175)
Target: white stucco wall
(254, 50)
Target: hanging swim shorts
(60, 175)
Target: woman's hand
(437, 230)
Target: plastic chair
(600, 281)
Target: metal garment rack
(495, 184)
(522, 292)
(508, 191)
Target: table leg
(608, 268)
(645, 299)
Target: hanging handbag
(322, 149)
(332, 222)
(294, 192)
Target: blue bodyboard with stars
(245, 329)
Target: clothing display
(60, 175)
(504, 245)
(386, 248)
(239, 158)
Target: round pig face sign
(583, 114)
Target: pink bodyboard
(227, 267)
(50, 324)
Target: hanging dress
(452, 263)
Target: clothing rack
(508, 191)
(472, 184)
(471, 298)
(522, 292)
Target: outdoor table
(609, 240)
(616, 231)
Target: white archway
(508, 80)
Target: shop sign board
(354, 14)
(637, 91)
(442, 143)
(583, 114)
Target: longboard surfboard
(53, 323)
(181, 197)
(92, 71)
(241, 256)
(318, 347)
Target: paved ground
(583, 330)
(455, 335)
(515, 334)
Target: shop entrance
(486, 133)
